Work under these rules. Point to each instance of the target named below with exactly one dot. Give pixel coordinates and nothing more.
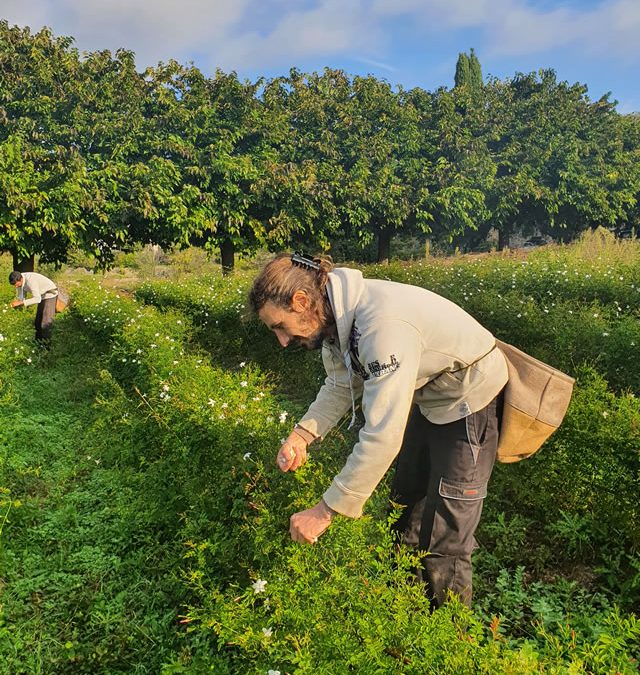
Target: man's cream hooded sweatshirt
(397, 345)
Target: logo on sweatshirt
(354, 342)
(378, 369)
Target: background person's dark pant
(45, 315)
(441, 477)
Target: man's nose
(282, 338)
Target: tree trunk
(227, 256)
(384, 245)
(504, 237)
(23, 264)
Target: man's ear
(300, 302)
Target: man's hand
(17, 303)
(292, 453)
(307, 526)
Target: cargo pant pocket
(457, 516)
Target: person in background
(43, 293)
(431, 380)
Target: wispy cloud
(520, 27)
(231, 34)
(376, 64)
(328, 28)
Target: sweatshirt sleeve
(391, 357)
(333, 399)
(33, 300)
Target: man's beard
(315, 340)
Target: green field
(140, 505)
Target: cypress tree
(463, 72)
(475, 72)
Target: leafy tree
(137, 192)
(559, 160)
(456, 168)
(379, 142)
(212, 130)
(300, 186)
(630, 130)
(43, 191)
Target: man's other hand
(306, 526)
(292, 453)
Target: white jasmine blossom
(259, 586)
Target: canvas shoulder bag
(62, 300)
(536, 398)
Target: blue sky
(407, 42)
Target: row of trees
(98, 156)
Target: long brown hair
(281, 278)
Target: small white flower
(259, 585)
(243, 364)
(225, 405)
(29, 360)
(283, 416)
(605, 414)
(211, 402)
(244, 383)
(165, 387)
(246, 455)
(267, 632)
(273, 672)
(605, 335)
(269, 419)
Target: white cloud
(231, 34)
(520, 27)
(260, 34)
(331, 28)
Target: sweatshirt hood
(345, 288)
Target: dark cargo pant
(43, 323)
(441, 477)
